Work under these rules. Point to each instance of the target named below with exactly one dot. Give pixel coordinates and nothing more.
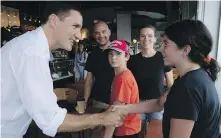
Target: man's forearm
(109, 131)
(87, 89)
(73, 123)
(148, 106)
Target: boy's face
(117, 59)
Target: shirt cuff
(58, 119)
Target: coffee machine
(61, 65)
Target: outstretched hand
(163, 98)
(114, 116)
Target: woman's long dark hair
(195, 34)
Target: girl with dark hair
(192, 108)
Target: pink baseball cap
(120, 46)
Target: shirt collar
(44, 42)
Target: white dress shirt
(27, 87)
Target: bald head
(101, 33)
(99, 24)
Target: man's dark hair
(60, 9)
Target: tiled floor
(155, 129)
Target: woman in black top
(192, 108)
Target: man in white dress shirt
(26, 83)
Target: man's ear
(128, 57)
(109, 31)
(53, 20)
(93, 34)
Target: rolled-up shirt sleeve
(37, 95)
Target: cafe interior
(124, 19)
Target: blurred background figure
(79, 63)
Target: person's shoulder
(130, 82)
(127, 77)
(94, 51)
(25, 43)
(137, 55)
(196, 79)
(159, 55)
(194, 75)
(134, 58)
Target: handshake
(113, 116)
(116, 114)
